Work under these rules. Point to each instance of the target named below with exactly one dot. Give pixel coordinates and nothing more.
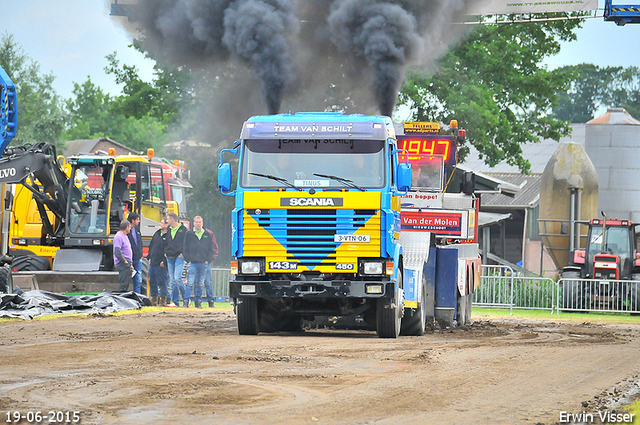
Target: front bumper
(311, 289)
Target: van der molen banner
(491, 7)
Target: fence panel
(618, 296)
(500, 287)
(496, 287)
(220, 278)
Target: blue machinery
(621, 14)
(8, 110)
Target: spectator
(198, 253)
(207, 277)
(158, 274)
(135, 238)
(175, 258)
(122, 256)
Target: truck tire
(5, 276)
(247, 316)
(414, 321)
(634, 295)
(572, 292)
(389, 313)
(30, 263)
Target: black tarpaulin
(30, 304)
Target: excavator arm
(35, 167)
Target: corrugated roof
(538, 154)
(527, 197)
(74, 147)
(615, 116)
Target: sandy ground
(177, 366)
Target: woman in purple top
(123, 256)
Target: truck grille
(308, 234)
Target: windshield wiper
(276, 178)
(346, 182)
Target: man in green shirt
(198, 253)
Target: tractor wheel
(389, 313)
(415, 324)
(5, 277)
(247, 316)
(634, 295)
(572, 292)
(30, 263)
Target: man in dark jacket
(198, 253)
(175, 259)
(135, 238)
(158, 275)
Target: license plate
(282, 265)
(352, 238)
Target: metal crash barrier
(576, 294)
(220, 278)
(501, 288)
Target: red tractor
(611, 262)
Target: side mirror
(8, 200)
(224, 177)
(404, 177)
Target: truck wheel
(634, 295)
(5, 276)
(572, 293)
(415, 324)
(389, 313)
(30, 263)
(247, 316)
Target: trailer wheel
(415, 324)
(389, 313)
(572, 294)
(634, 295)
(247, 316)
(5, 276)
(30, 263)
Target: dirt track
(177, 366)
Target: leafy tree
(94, 114)
(592, 88)
(41, 114)
(494, 85)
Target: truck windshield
(299, 160)
(89, 199)
(618, 241)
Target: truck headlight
(370, 267)
(250, 267)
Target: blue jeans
(197, 272)
(207, 285)
(158, 281)
(137, 279)
(176, 266)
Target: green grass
(503, 313)
(634, 408)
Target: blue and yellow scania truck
(317, 222)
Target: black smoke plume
(385, 34)
(199, 33)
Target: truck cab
(315, 228)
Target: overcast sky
(70, 38)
